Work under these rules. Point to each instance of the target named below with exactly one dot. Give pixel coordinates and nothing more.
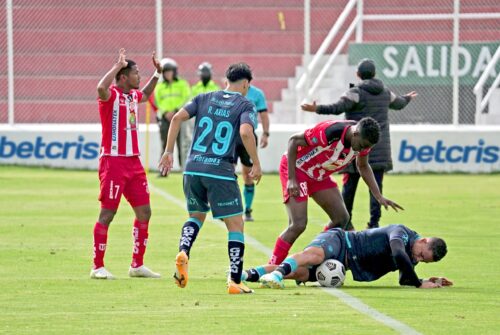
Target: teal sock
(288, 266)
(248, 194)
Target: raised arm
(400, 101)
(107, 80)
(150, 86)
(345, 104)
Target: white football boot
(142, 272)
(101, 273)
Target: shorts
(307, 185)
(223, 196)
(122, 175)
(333, 244)
(241, 153)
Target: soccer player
(370, 98)
(120, 169)
(257, 97)
(369, 254)
(305, 170)
(209, 177)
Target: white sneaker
(142, 272)
(101, 273)
(272, 280)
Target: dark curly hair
(238, 71)
(369, 130)
(126, 69)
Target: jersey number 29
(223, 134)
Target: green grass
(47, 218)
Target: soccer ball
(331, 273)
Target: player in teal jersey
(209, 178)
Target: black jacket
(369, 98)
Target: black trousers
(350, 184)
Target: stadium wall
(415, 148)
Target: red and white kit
(323, 156)
(120, 169)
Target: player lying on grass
(305, 171)
(369, 254)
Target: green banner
(426, 64)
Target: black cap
(366, 69)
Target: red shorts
(307, 185)
(122, 175)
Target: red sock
(100, 240)
(140, 234)
(280, 252)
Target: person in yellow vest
(170, 96)
(206, 84)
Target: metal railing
(305, 90)
(478, 88)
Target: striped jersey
(326, 151)
(119, 122)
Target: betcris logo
(441, 153)
(41, 149)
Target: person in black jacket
(370, 98)
(369, 255)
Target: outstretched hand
(121, 58)
(156, 63)
(386, 203)
(443, 281)
(411, 95)
(309, 107)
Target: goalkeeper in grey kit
(369, 254)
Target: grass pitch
(47, 217)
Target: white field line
(347, 299)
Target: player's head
(239, 76)
(429, 249)
(128, 76)
(366, 69)
(205, 72)
(169, 69)
(366, 134)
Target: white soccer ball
(331, 273)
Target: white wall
(415, 148)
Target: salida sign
(426, 64)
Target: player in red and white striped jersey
(120, 169)
(305, 171)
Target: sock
(280, 251)
(140, 233)
(188, 235)
(100, 240)
(253, 275)
(288, 266)
(248, 194)
(236, 250)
